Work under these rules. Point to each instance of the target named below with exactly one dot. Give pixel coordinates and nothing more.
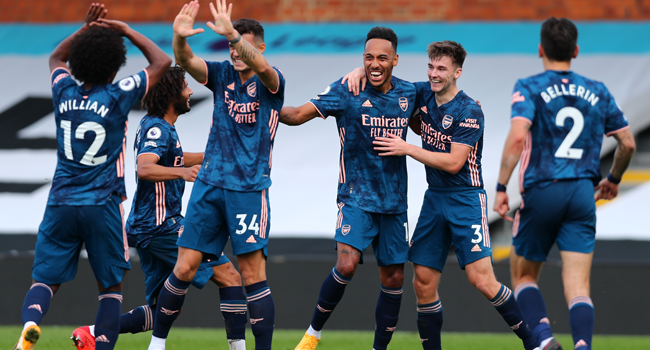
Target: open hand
(391, 146)
(355, 79)
(184, 21)
(222, 24)
(117, 26)
(95, 12)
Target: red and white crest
(447, 121)
(403, 103)
(252, 89)
(345, 229)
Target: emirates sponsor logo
(168, 312)
(35, 307)
(255, 320)
(476, 248)
(367, 104)
(102, 339)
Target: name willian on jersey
(243, 113)
(83, 105)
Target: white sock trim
(157, 343)
(311, 331)
(236, 344)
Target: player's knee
(346, 268)
(185, 271)
(394, 280)
(481, 282)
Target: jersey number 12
(100, 135)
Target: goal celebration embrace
(422, 184)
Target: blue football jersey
(91, 137)
(244, 122)
(569, 114)
(367, 180)
(156, 208)
(457, 121)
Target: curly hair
(383, 33)
(96, 55)
(168, 90)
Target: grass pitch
(58, 338)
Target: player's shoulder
(154, 127)
(468, 105)
(61, 78)
(402, 84)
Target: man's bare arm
(149, 170)
(298, 115)
(184, 28)
(192, 159)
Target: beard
(181, 107)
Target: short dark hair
(168, 90)
(559, 39)
(96, 55)
(383, 33)
(451, 49)
(249, 26)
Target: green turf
(55, 338)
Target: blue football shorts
(157, 260)
(66, 228)
(451, 216)
(562, 212)
(388, 233)
(215, 214)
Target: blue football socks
(430, 324)
(581, 317)
(386, 315)
(533, 309)
(331, 292)
(233, 309)
(37, 301)
(170, 302)
(107, 322)
(507, 307)
(137, 320)
(262, 314)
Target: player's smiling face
(443, 74)
(183, 105)
(379, 58)
(239, 65)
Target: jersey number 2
(565, 150)
(100, 135)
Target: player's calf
(430, 325)
(386, 316)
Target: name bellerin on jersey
(553, 92)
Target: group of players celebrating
(558, 172)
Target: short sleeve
(420, 88)
(281, 83)
(215, 73)
(60, 78)
(470, 126)
(522, 103)
(615, 120)
(155, 140)
(333, 100)
(131, 89)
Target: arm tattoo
(355, 252)
(247, 51)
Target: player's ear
(395, 59)
(458, 73)
(540, 51)
(575, 54)
(261, 47)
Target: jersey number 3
(565, 150)
(100, 135)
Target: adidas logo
(35, 307)
(424, 109)
(102, 339)
(390, 329)
(231, 86)
(476, 248)
(178, 144)
(367, 104)
(167, 312)
(580, 343)
(251, 239)
(321, 309)
(515, 327)
(255, 320)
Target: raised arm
(183, 28)
(624, 150)
(149, 170)
(246, 51)
(59, 57)
(298, 115)
(159, 62)
(511, 154)
(450, 162)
